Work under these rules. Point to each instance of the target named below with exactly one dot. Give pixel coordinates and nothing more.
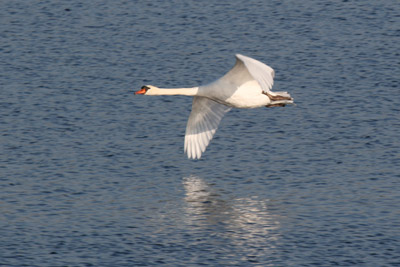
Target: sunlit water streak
(246, 225)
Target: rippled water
(91, 175)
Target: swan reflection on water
(245, 221)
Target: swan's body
(246, 85)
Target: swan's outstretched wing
(262, 73)
(202, 124)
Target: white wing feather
(202, 124)
(262, 73)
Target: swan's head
(145, 90)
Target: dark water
(91, 175)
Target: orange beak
(141, 92)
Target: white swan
(246, 85)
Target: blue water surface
(91, 175)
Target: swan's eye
(144, 87)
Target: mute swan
(246, 85)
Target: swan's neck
(174, 91)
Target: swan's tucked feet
(277, 97)
(276, 105)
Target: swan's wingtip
(193, 157)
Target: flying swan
(247, 85)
